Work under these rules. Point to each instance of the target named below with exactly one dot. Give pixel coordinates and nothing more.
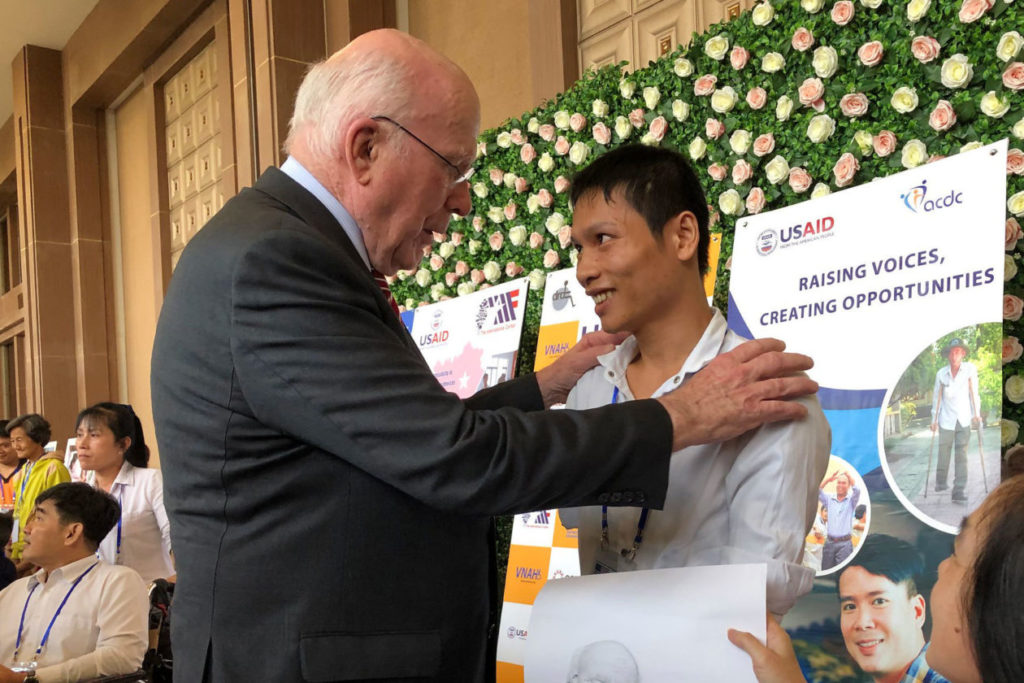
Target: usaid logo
(767, 241)
(496, 310)
(437, 334)
(916, 199)
(514, 633)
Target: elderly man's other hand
(737, 391)
(558, 379)
(775, 663)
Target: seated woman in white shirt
(109, 441)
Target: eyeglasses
(460, 176)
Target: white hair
(340, 89)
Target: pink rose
(764, 144)
(755, 200)
(705, 85)
(1013, 77)
(935, 157)
(551, 258)
(527, 153)
(714, 128)
(512, 269)
(925, 48)
(544, 198)
(510, 211)
(456, 238)
(438, 236)
(522, 184)
(477, 277)
(546, 132)
(842, 12)
(739, 57)
(577, 122)
(884, 143)
(718, 171)
(462, 269)
(436, 262)
(1012, 307)
(421, 304)
(972, 10)
(450, 279)
(1012, 349)
(799, 179)
(1015, 162)
(810, 91)
(561, 184)
(942, 117)
(741, 172)
(496, 240)
(658, 127)
(428, 250)
(854, 104)
(756, 97)
(844, 169)
(478, 223)
(636, 117)
(870, 54)
(602, 134)
(536, 240)
(517, 136)
(561, 146)
(497, 175)
(1013, 233)
(565, 236)
(803, 39)
(486, 285)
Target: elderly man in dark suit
(330, 504)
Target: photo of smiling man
(882, 612)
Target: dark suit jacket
(329, 501)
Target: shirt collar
(17, 468)
(126, 476)
(297, 172)
(710, 344)
(71, 570)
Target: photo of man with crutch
(956, 410)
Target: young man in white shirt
(77, 617)
(641, 226)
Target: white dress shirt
(145, 531)
(102, 629)
(958, 393)
(751, 499)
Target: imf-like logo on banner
(767, 241)
(536, 520)
(916, 199)
(497, 310)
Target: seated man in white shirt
(641, 226)
(76, 617)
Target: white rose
(623, 127)
(1015, 204)
(724, 99)
(1008, 430)
(871, 4)
(532, 204)
(1018, 129)
(465, 288)
(403, 275)
(1009, 45)
(812, 6)
(562, 120)
(973, 144)
(821, 128)
(480, 190)
(1009, 270)
(740, 141)
(627, 88)
(600, 108)
(517, 235)
(680, 110)
(783, 108)
(825, 61)
(533, 125)
(820, 190)
(772, 62)
(649, 140)
(492, 271)
(545, 163)
(651, 97)
(474, 247)
(446, 249)
(956, 71)
(554, 222)
(504, 139)
(762, 14)
(730, 203)
(423, 277)
(578, 152)
(537, 279)
(1015, 389)
(993, 105)
(697, 148)
(716, 47)
(863, 140)
(914, 154)
(509, 179)
(496, 214)
(916, 9)
(904, 100)
(777, 170)
(574, 257)
(683, 67)
(436, 291)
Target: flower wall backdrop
(791, 101)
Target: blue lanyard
(46, 634)
(630, 553)
(24, 480)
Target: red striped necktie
(379, 278)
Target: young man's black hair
(6, 526)
(96, 510)
(891, 557)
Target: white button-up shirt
(145, 530)
(102, 629)
(958, 393)
(751, 499)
